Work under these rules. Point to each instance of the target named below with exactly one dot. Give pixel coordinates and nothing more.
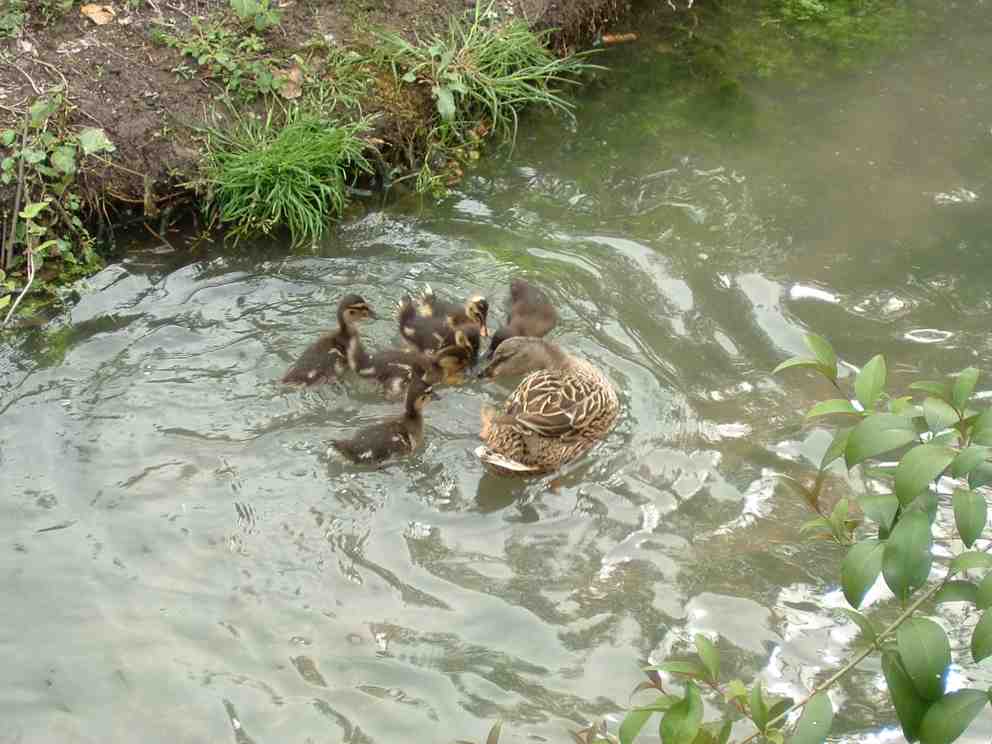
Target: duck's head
(477, 310)
(419, 394)
(520, 355)
(354, 308)
(499, 337)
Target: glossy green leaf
(837, 446)
(759, 711)
(41, 109)
(864, 624)
(814, 724)
(937, 389)
(982, 428)
(983, 596)
(950, 716)
(801, 362)
(970, 515)
(779, 707)
(964, 386)
(876, 435)
(832, 406)
(957, 591)
(918, 467)
(860, 569)
(823, 352)
(632, 724)
(881, 509)
(725, 730)
(445, 102)
(870, 382)
(981, 638)
(94, 140)
(981, 475)
(910, 707)
(906, 559)
(709, 656)
(688, 668)
(967, 460)
(938, 414)
(681, 722)
(735, 690)
(970, 560)
(33, 209)
(926, 654)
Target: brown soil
(119, 79)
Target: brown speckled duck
(394, 437)
(429, 333)
(558, 412)
(531, 314)
(333, 352)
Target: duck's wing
(554, 405)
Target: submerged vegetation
(941, 444)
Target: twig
(8, 247)
(853, 662)
(27, 286)
(159, 235)
(30, 80)
(50, 66)
(115, 165)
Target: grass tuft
(262, 175)
(485, 69)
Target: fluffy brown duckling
(531, 314)
(394, 368)
(454, 359)
(474, 310)
(559, 411)
(394, 437)
(334, 352)
(429, 333)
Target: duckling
(336, 351)
(429, 333)
(474, 310)
(394, 368)
(455, 358)
(393, 437)
(558, 412)
(531, 314)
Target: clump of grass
(261, 174)
(484, 69)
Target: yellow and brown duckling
(474, 310)
(394, 437)
(531, 314)
(334, 352)
(454, 359)
(559, 411)
(429, 333)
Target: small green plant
(938, 436)
(12, 17)
(44, 222)
(261, 175)
(484, 70)
(237, 60)
(259, 13)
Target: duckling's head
(419, 394)
(353, 308)
(477, 310)
(520, 355)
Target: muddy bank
(149, 96)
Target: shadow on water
(189, 562)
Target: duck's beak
(434, 396)
(484, 331)
(485, 373)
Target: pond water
(179, 558)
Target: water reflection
(176, 530)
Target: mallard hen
(531, 314)
(394, 437)
(558, 412)
(336, 351)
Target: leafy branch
(939, 438)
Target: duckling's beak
(372, 314)
(433, 396)
(484, 331)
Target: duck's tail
(498, 461)
(406, 311)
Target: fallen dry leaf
(292, 82)
(99, 14)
